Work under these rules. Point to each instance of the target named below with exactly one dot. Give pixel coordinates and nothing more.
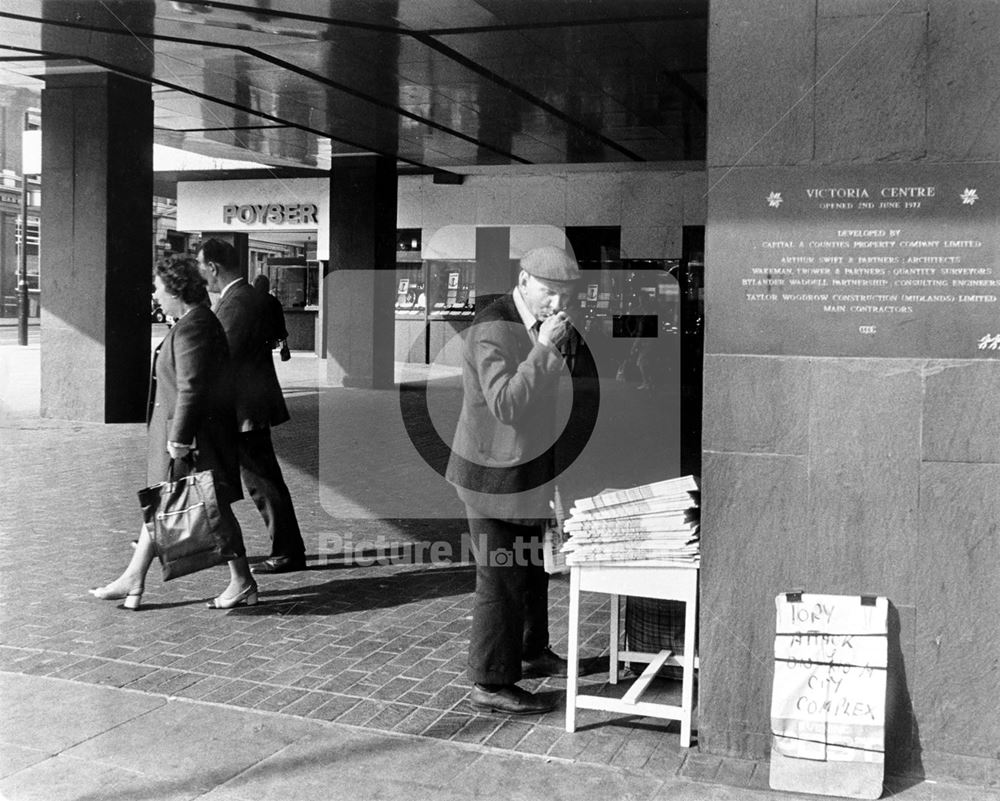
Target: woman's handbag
(186, 525)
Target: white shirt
(527, 317)
(222, 294)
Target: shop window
(451, 288)
(261, 255)
(294, 282)
(598, 251)
(411, 290)
(411, 297)
(177, 241)
(32, 235)
(408, 240)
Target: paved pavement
(347, 681)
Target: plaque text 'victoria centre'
(890, 261)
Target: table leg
(573, 657)
(613, 655)
(687, 685)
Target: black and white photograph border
(779, 228)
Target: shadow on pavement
(364, 594)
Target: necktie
(568, 350)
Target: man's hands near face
(554, 329)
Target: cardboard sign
(829, 696)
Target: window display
(295, 285)
(410, 296)
(452, 289)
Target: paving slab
(374, 788)
(337, 762)
(922, 791)
(201, 744)
(63, 778)
(16, 757)
(52, 715)
(552, 780)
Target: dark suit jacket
(244, 317)
(276, 330)
(189, 401)
(505, 449)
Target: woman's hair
(182, 278)
(262, 283)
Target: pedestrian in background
(259, 403)
(277, 333)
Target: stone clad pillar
(359, 286)
(852, 447)
(96, 249)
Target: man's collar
(527, 317)
(225, 289)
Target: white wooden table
(647, 579)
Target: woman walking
(190, 414)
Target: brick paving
(380, 646)
(355, 641)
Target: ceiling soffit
(436, 84)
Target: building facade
(848, 447)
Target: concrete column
(359, 286)
(495, 273)
(96, 254)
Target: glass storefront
(294, 280)
(451, 289)
(620, 299)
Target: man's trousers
(261, 474)
(510, 616)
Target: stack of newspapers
(652, 521)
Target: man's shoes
(510, 699)
(279, 564)
(546, 663)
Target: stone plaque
(876, 260)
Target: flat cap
(550, 263)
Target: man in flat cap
(503, 461)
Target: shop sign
(270, 213)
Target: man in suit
(503, 460)
(259, 402)
(276, 332)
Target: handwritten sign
(829, 697)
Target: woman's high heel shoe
(247, 597)
(132, 598)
